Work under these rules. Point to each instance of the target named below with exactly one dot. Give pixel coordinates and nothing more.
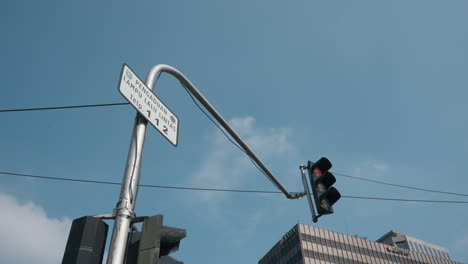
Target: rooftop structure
(404, 241)
(306, 244)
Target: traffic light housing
(321, 181)
(154, 243)
(86, 241)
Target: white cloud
(380, 167)
(374, 169)
(225, 166)
(29, 235)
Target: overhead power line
(405, 200)
(218, 189)
(231, 140)
(59, 107)
(401, 186)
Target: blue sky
(378, 87)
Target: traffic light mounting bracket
(307, 193)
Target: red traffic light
(321, 166)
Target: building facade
(401, 240)
(305, 244)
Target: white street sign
(148, 105)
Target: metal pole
(306, 189)
(193, 90)
(124, 210)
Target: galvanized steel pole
(124, 210)
(307, 191)
(193, 90)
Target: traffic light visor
(321, 166)
(327, 179)
(333, 195)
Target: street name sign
(148, 105)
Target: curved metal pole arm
(150, 81)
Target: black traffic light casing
(132, 247)
(149, 245)
(321, 181)
(86, 241)
(154, 243)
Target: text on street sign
(148, 105)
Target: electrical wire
(230, 139)
(117, 104)
(60, 107)
(141, 185)
(64, 107)
(399, 185)
(218, 189)
(213, 121)
(226, 135)
(404, 200)
(344, 175)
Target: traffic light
(86, 241)
(321, 181)
(154, 243)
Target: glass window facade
(402, 244)
(309, 245)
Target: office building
(410, 243)
(305, 244)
